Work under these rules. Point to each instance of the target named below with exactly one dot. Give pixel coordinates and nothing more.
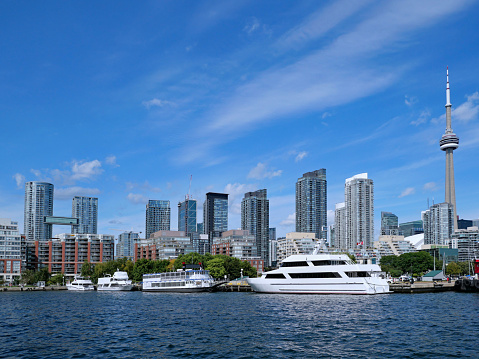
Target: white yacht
(321, 274)
(189, 280)
(80, 284)
(119, 282)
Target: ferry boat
(119, 282)
(321, 274)
(80, 284)
(186, 280)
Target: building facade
(388, 245)
(187, 216)
(255, 219)
(10, 251)
(359, 203)
(86, 210)
(340, 238)
(215, 216)
(67, 253)
(438, 223)
(412, 228)
(312, 204)
(466, 241)
(125, 248)
(296, 243)
(38, 204)
(163, 245)
(158, 216)
(389, 224)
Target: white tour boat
(321, 274)
(118, 282)
(80, 284)
(188, 280)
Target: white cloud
(70, 192)
(430, 186)
(85, 170)
(300, 156)
(289, 221)
(325, 115)
(137, 198)
(19, 179)
(407, 192)
(156, 103)
(423, 118)
(111, 160)
(145, 186)
(261, 171)
(410, 100)
(468, 110)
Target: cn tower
(449, 142)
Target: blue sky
(124, 101)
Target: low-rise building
(393, 245)
(67, 252)
(163, 245)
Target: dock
(421, 287)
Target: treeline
(418, 263)
(218, 265)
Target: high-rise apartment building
(354, 219)
(311, 204)
(158, 216)
(10, 250)
(86, 210)
(255, 219)
(389, 224)
(215, 216)
(438, 223)
(412, 228)
(38, 204)
(359, 200)
(187, 216)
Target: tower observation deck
(448, 143)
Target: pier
(421, 287)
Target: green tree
(465, 268)
(86, 269)
(57, 279)
(453, 269)
(389, 263)
(28, 277)
(216, 266)
(192, 258)
(42, 275)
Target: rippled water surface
(237, 325)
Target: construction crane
(189, 188)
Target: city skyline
(241, 97)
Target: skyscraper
(38, 204)
(157, 216)
(389, 224)
(359, 203)
(311, 204)
(438, 223)
(340, 238)
(255, 219)
(187, 216)
(125, 247)
(215, 216)
(448, 143)
(86, 210)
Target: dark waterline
(237, 325)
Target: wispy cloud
(465, 112)
(137, 198)
(19, 179)
(300, 156)
(261, 171)
(69, 192)
(407, 192)
(79, 171)
(156, 103)
(111, 160)
(145, 186)
(252, 25)
(430, 186)
(410, 100)
(85, 170)
(289, 221)
(424, 117)
(236, 192)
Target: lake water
(237, 325)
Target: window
(314, 275)
(275, 276)
(358, 274)
(294, 264)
